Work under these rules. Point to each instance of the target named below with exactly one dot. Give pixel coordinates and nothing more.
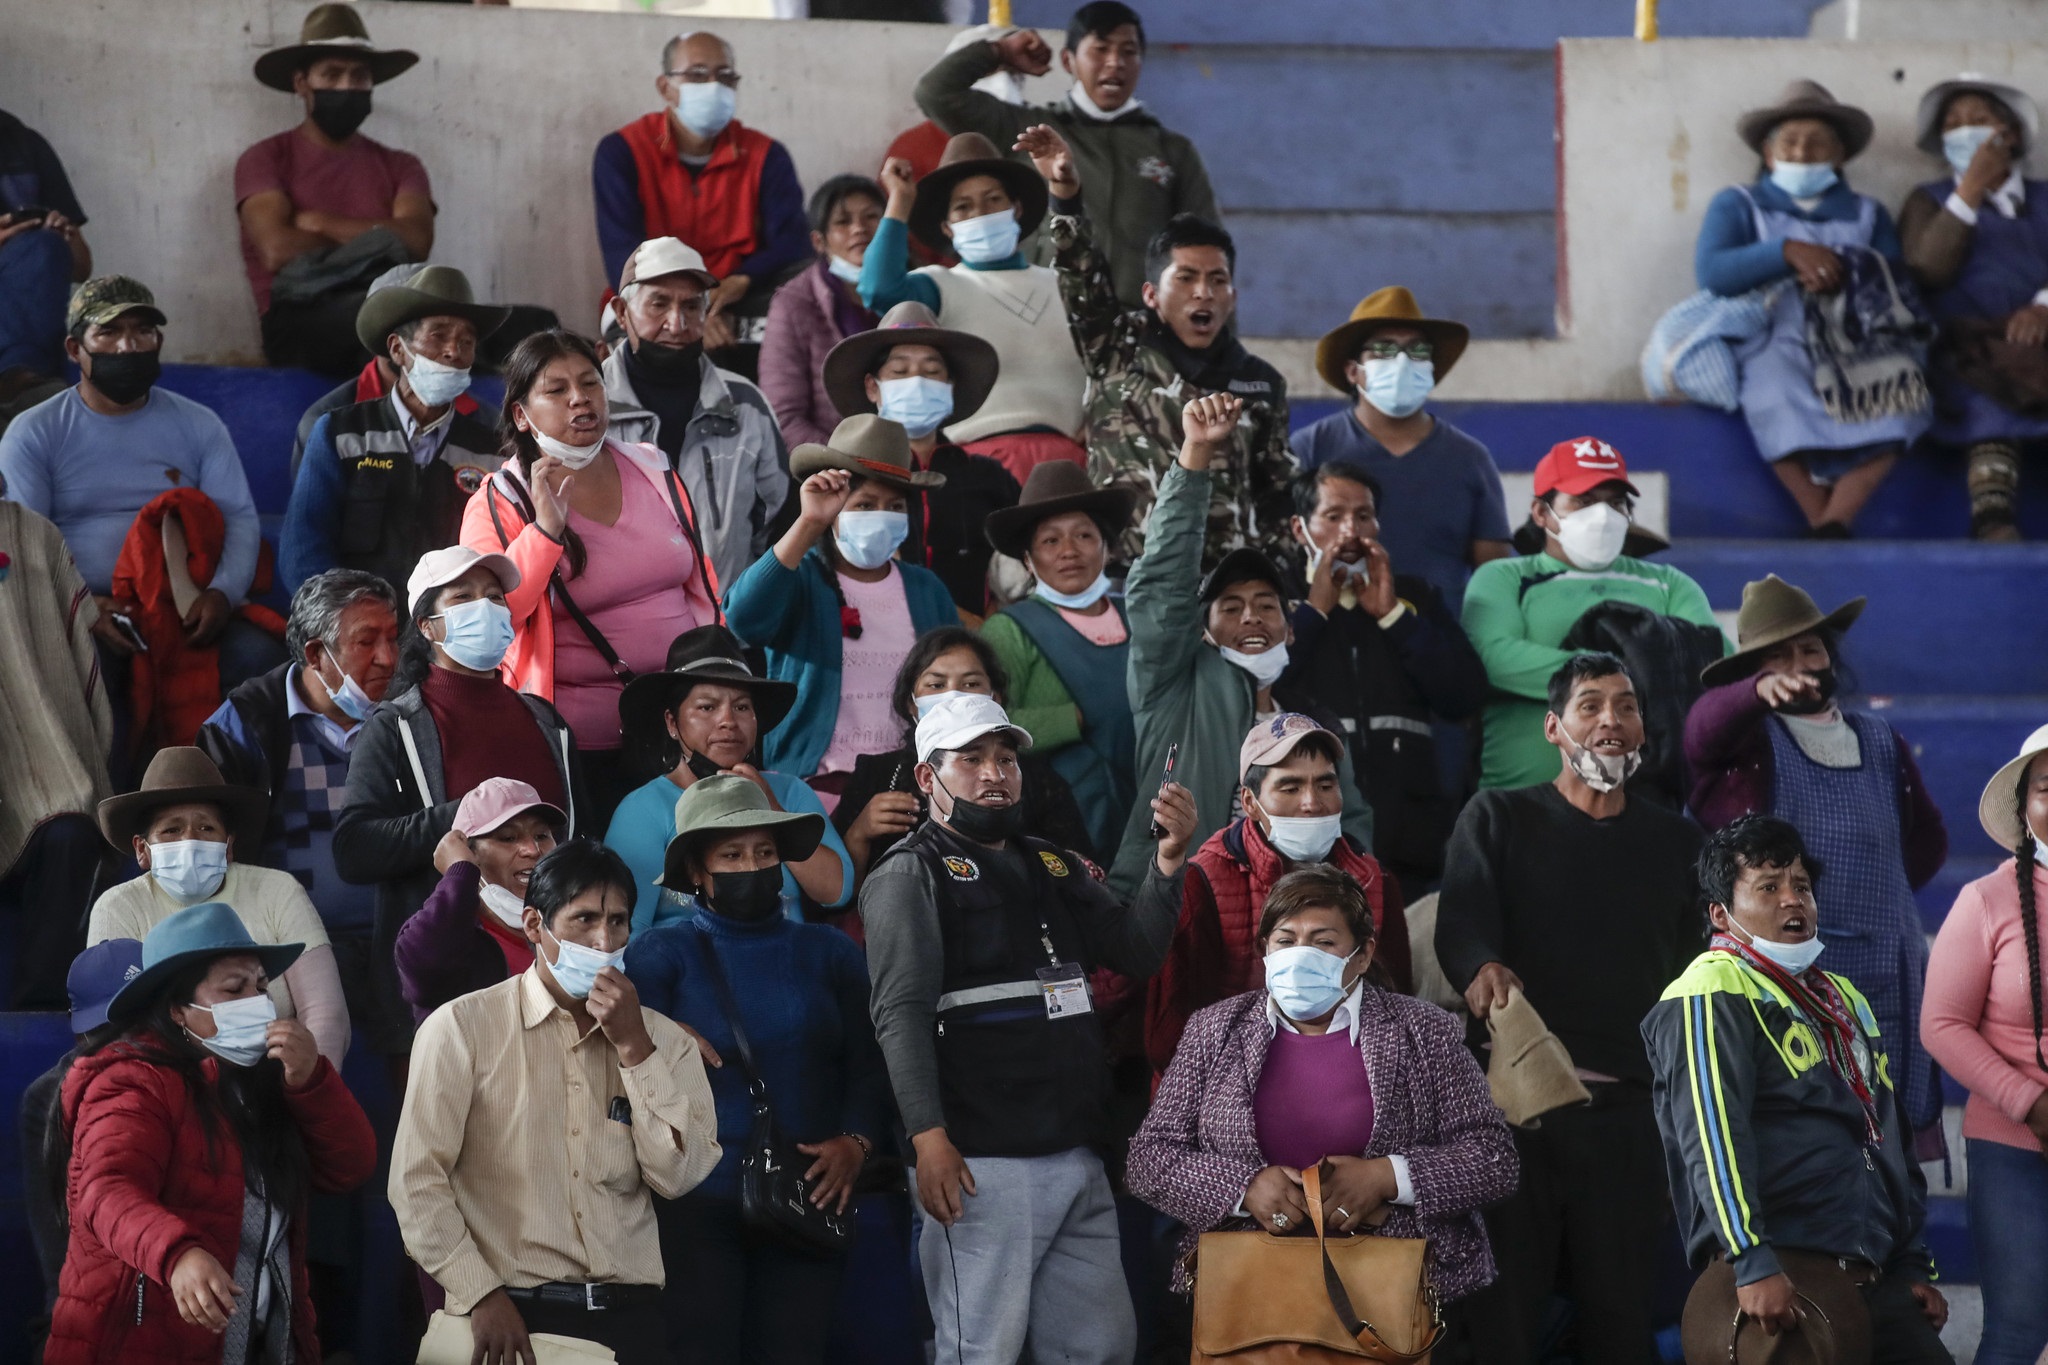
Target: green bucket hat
(726, 804)
(408, 293)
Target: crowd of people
(891, 779)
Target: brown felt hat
(970, 360)
(1052, 488)
(1834, 1321)
(1393, 306)
(870, 446)
(1530, 1072)
(332, 31)
(177, 776)
(970, 154)
(1773, 611)
(1807, 99)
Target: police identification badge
(962, 869)
(1065, 988)
(1053, 863)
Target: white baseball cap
(961, 719)
(660, 256)
(439, 568)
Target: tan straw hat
(1530, 1072)
(1998, 809)
(1393, 306)
(1773, 611)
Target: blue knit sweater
(802, 990)
(793, 614)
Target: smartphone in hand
(1158, 831)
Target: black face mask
(668, 364)
(124, 376)
(338, 113)
(700, 767)
(749, 897)
(1825, 684)
(984, 824)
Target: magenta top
(1314, 1099)
(634, 589)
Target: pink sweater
(1976, 1020)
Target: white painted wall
(149, 103)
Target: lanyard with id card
(1063, 985)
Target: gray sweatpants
(1033, 1262)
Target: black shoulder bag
(775, 1199)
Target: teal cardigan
(793, 614)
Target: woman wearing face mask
(1323, 1067)
(1071, 639)
(819, 308)
(1792, 227)
(1977, 241)
(801, 992)
(1770, 735)
(468, 934)
(185, 826)
(196, 1136)
(981, 205)
(1983, 1024)
(705, 715)
(921, 376)
(449, 726)
(834, 609)
(605, 537)
(881, 803)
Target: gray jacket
(733, 460)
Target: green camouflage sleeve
(1102, 331)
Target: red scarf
(1817, 996)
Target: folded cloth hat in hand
(448, 1342)
(1530, 1073)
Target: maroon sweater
(486, 731)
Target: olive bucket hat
(1774, 611)
(728, 804)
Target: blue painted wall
(1429, 160)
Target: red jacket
(717, 210)
(143, 1191)
(1214, 954)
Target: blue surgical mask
(241, 1029)
(189, 869)
(1804, 179)
(1399, 385)
(435, 384)
(1959, 145)
(843, 269)
(705, 107)
(349, 697)
(576, 967)
(1073, 601)
(917, 404)
(987, 239)
(1304, 981)
(1303, 838)
(1793, 957)
(868, 539)
(478, 633)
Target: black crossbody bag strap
(722, 989)
(561, 589)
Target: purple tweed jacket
(1199, 1149)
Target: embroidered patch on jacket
(1053, 864)
(962, 869)
(1155, 169)
(469, 479)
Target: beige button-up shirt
(509, 1168)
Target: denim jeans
(2009, 1231)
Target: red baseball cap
(1579, 466)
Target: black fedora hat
(971, 154)
(708, 654)
(1053, 488)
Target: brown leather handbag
(1291, 1301)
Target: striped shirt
(525, 1153)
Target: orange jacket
(496, 522)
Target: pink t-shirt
(359, 179)
(1104, 628)
(867, 723)
(631, 588)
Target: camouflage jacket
(1135, 394)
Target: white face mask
(925, 701)
(1303, 838)
(508, 906)
(2040, 844)
(1601, 772)
(576, 457)
(1073, 601)
(843, 269)
(1265, 668)
(189, 869)
(435, 384)
(241, 1029)
(1793, 957)
(1592, 537)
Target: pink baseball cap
(1270, 741)
(495, 800)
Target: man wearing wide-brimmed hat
(1389, 357)
(981, 205)
(193, 833)
(834, 608)
(921, 376)
(1144, 172)
(387, 480)
(325, 200)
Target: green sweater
(1037, 699)
(1184, 691)
(1516, 610)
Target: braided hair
(2030, 925)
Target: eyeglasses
(704, 75)
(1384, 349)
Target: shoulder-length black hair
(522, 371)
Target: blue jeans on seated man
(2009, 1229)
(35, 288)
